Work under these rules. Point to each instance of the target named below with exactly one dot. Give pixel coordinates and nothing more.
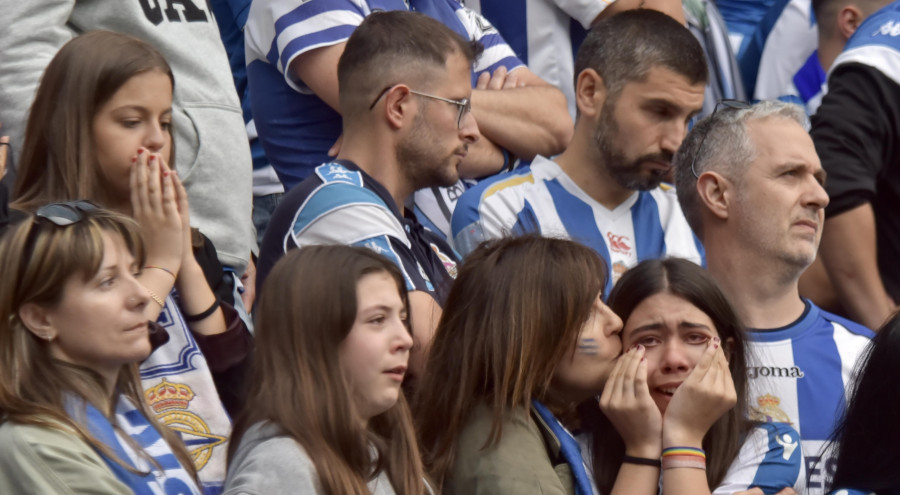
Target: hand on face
(706, 394)
(155, 206)
(627, 403)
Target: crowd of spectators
(370, 246)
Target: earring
(48, 337)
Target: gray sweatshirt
(268, 462)
(212, 150)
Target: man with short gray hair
(751, 186)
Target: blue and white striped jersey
(545, 34)
(341, 204)
(799, 374)
(770, 459)
(780, 59)
(541, 198)
(294, 125)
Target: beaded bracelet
(156, 298)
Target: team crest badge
(768, 410)
(170, 403)
(449, 264)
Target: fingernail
(165, 173)
(640, 347)
(140, 150)
(716, 339)
(134, 159)
(152, 157)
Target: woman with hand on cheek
(524, 338)
(686, 354)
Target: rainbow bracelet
(683, 457)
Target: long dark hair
(515, 310)
(865, 441)
(306, 309)
(693, 284)
(59, 162)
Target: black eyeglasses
(465, 105)
(728, 104)
(63, 214)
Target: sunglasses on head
(67, 213)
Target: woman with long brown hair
(100, 129)
(524, 338)
(72, 332)
(327, 415)
(693, 370)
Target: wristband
(202, 316)
(677, 461)
(684, 451)
(156, 298)
(643, 461)
(683, 457)
(170, 272)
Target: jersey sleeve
(854, 133)
(497, 53)
(770, 459)
(494, 208)
(342, 213)
(278, 31)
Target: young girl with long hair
(524, 338)
(72, 332)
(865, 441)
(686, 360)
(326, 415)
(100, 129)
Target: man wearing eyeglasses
(404, 94)
(293, 47)
(641, 78)
(751, 186)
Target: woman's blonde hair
(37, 258)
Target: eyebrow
(658, 325)
(138, 108)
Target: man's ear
(848, 20)
(716, 193)
(398, 106)
(590, 92)
(37, 320)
